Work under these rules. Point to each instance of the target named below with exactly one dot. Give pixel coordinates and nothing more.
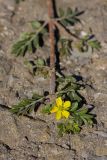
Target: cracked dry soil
(34, 137)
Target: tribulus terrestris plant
(63, 99)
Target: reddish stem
(52, 46)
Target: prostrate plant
(63, 99)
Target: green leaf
(74, 107)
(29, 65)
(23, 107)
(23, 44)
(61, 12)
(70, 78)
(47, 108)
(68, 126)
(84, 120)
(88, 116)
(39, 62)
(68, 87)
(74, 96)
(82, 111)
(36, 24)
(68, 17)
(60, 79)
(88, 41)
(76, 128)
(61, 129)
(94, 44)
(35, 42)
(67, 84)
(65, 46)
(29, 41)
(38, 67)
(69, 11)
(87, 119)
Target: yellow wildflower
(61, 108)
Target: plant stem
(66, 33)
(52, 47)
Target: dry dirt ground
(34, 138)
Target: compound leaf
(30, 41)
(69, 17)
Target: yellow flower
(61, 108)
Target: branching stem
(65, 31)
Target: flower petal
(54, 109)
(67, 104)
(59, 101)
(58, 115)
(65, 113)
